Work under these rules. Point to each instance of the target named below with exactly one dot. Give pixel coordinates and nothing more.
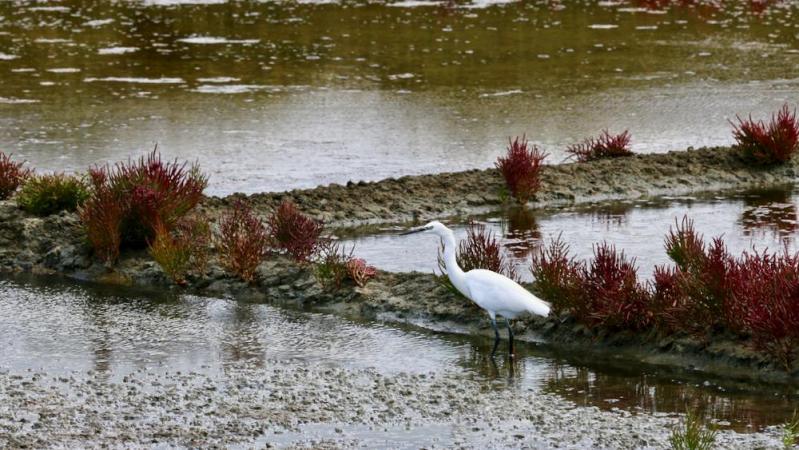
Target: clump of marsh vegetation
(521, 168)
(603, 147)
(182, 250)
(334, 264)
(294, 233)
(790, 432)
(754, 295)
(480, 250)
(772, 143)
(330, 267)
(242, 241)
(43, 195)
(129, 200)
(693, 434)
(359, 272)
(604, 291)
(12, 175)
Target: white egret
(495, 293)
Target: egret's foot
(510, 339)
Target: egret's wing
(496, 292)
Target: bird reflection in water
(772, 211)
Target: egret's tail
(539, 307)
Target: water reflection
(276, 95)
(520, 232)
(772, 211)
(763, 219)
(62, 327)
(612, 215)
(649, 394)
(240, 342)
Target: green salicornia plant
(334, 264)
(182, 251)
(790, 434)
(330, 265)
(48, 194)
(693, 434)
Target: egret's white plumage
(495, 293)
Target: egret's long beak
(416, 230)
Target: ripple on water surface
(67, 328)
(673, 75)
(70, 328)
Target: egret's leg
(496, 334)
(510, 337)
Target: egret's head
(434, 227)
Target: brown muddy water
(68, 329)
(747, 220)
(271, 95)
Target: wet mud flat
(419, 198)
(281, 405)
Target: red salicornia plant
(559, 278)
(359, 272)
(128, 201)
(765, 303)
(242, 241)
(521, 168)
(101, 215)
(12, 174)
(701, 276)
(603, 291)
(772, 143)
(708, 291)
(605, 146)
(293, 232)
(617, 300)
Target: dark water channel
(747, 220)
(277, 95)
(63, 327)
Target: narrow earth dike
(461, 193)
(56, 245)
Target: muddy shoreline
(423, 197)
(56, 245)
(304, 406)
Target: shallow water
(271, 96)
(747, 220)
(67, 328)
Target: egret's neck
(454, 272)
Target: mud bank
(55, 245)
(279, 406)
(475, 191)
